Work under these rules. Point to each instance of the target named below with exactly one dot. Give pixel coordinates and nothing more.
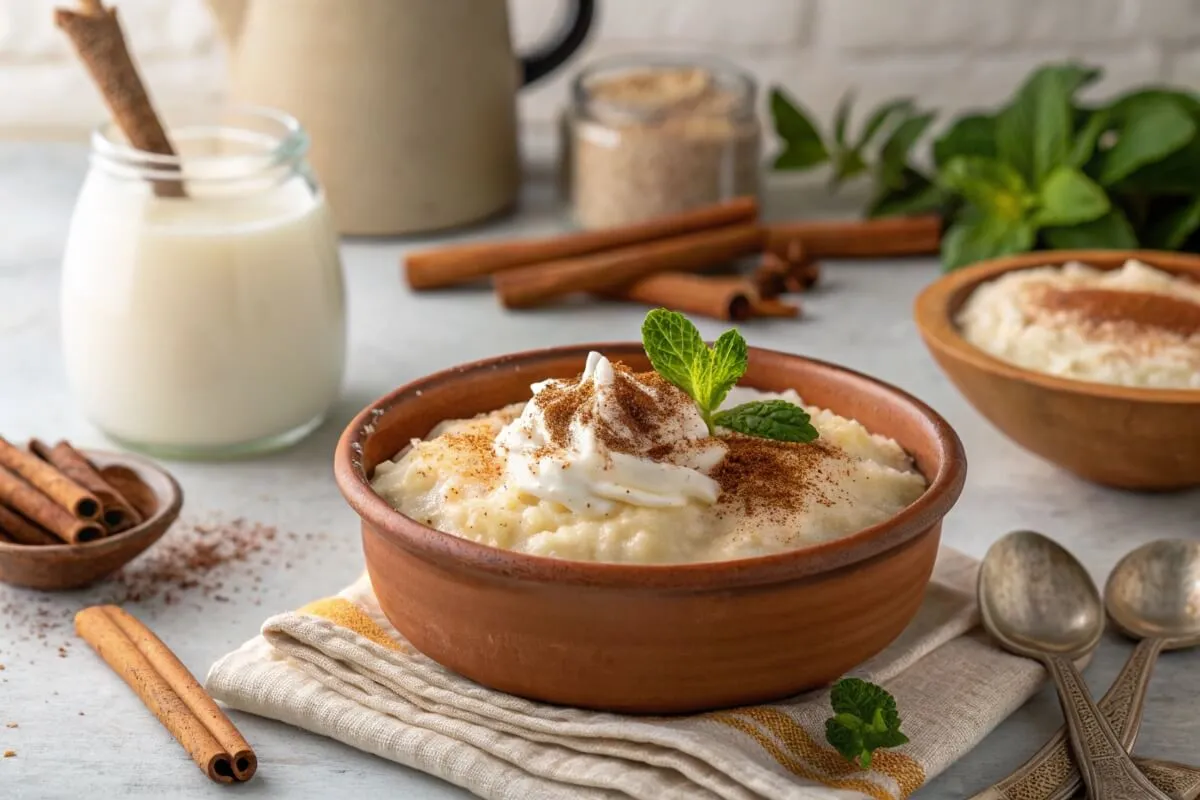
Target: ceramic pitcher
(411, 104)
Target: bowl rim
(931, 312)
(457, 552)
(169, 506)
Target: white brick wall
(948, 53)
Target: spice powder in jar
(651, 137)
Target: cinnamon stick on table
(49, 481)
(96, 35)
(723, 297)
(116, 511)
(448, 266)
(871, 238)
(531, 286)
(171, 692)
(19, 496)
(18, 530)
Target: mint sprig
(706, 374)
(864, 720)
(769, 419)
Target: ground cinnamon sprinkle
(194, 559)
(1110, 306)
(483, 466)
(775, 479)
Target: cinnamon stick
(447, 266)
(19, 530)
(96, 34)
(41, 510)
(49, 481)
(531, 286)
(872, 238)
(116, 512)
(775, 308)
(170, 692)
(728, 298)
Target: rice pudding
(619, 466)
(1134, 326)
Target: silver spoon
(1154, 595)
(1038, 601)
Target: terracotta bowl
(71, 566)
(648, 639)
(1119, 436)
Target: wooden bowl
(70, 566)
(648, 639)
(1120, 436)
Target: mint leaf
(990, 185)
(769, 419)
(802, 145)
(1094, 124)
(975, 237)
(865, 720)
(675, 349)
(1034, 133)
(1069, 197)
(1174, 228)
(727, 364)
(1148, 129)
(677, 353)
(893, 156)
(841, 118)
(880, 118)
(1110, 232)
(915, 194)
(972, 135)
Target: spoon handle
(1050, 773)
(1179, 781)
(1106, 768)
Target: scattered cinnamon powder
(1111, 306)
(11, 725)
(194, 559)
(10, 753)
(644, 403)
(775, 479)
(483, 466)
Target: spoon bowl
(1154, 593)
(1036, 598)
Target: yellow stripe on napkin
(346, 614)
(804, 757)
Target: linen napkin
(338, 668)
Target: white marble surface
(81, 732)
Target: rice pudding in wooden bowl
(1089, 359)
(592, 560)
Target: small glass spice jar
(647, 136)
(203, 309)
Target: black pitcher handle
(544, 60)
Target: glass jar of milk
(209, 322)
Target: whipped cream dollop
(611, 437)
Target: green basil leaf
(1110, 232)
(976, 237)
(893, 156)
(917, 195)
(802, 145)
(1094, 123)
(1148, 129)
(1068, 197)
(880, 117)
(841, 118)
(992, 186)
(972, 135)
(769, 419)
(1034, 133)
(1172, 230)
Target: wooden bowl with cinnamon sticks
(69, 517)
